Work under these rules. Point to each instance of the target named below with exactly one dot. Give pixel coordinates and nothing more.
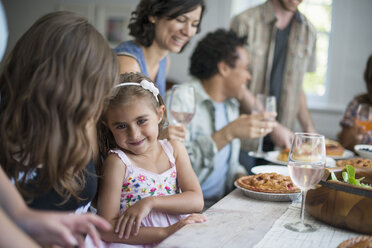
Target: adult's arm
(246, 101)
(203, 147)
(128, 64)
(11, 235)
(349, 137)
(46, 227)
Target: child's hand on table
(132, 217)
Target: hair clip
(144, 84)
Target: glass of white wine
(306, 165)
(182, 104)
(262, 104)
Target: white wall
(350, 45)
(217, 15)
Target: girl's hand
(132, 218)
(177, 133)
(194, 218)
(191, 219)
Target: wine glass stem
(303, 205)
(260, 143)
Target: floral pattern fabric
(139, 183)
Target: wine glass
(364, 116)
(262, 104)
(182, 104)
(306, 165)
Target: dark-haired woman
(159, 27)
(351, 133)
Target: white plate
(273, 158)
(365, 151)
(280, 169)
(268, 196)
(273, 155)
(347, 154)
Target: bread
(268, 183)
(283, 155)
(360, 241)
(333, 148)
(356, 162)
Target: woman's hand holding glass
(363, 118)
(182, 108)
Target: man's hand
(282, 136)
(252, 126)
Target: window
(319, 13)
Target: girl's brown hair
(53, 84)
(123, 95)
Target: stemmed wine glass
(262, 104)
(182, 104)
(364, 116)
(306, 165)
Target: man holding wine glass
(282, 45)
(219, 63)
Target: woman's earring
(152, 19)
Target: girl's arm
(150, 235)
(191, 198)
(189, 201)
(109, 208)
(108, 202)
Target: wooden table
(234, 221)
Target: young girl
(143, 177)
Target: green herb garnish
(349, 177)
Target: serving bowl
(365, 151)
(341, 204)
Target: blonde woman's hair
(53, 84)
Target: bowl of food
(343, 204)
(365, 151)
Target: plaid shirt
(258, 24)
(349, 117)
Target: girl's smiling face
(134, 125)
(173, 34)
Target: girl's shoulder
(117, 158)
